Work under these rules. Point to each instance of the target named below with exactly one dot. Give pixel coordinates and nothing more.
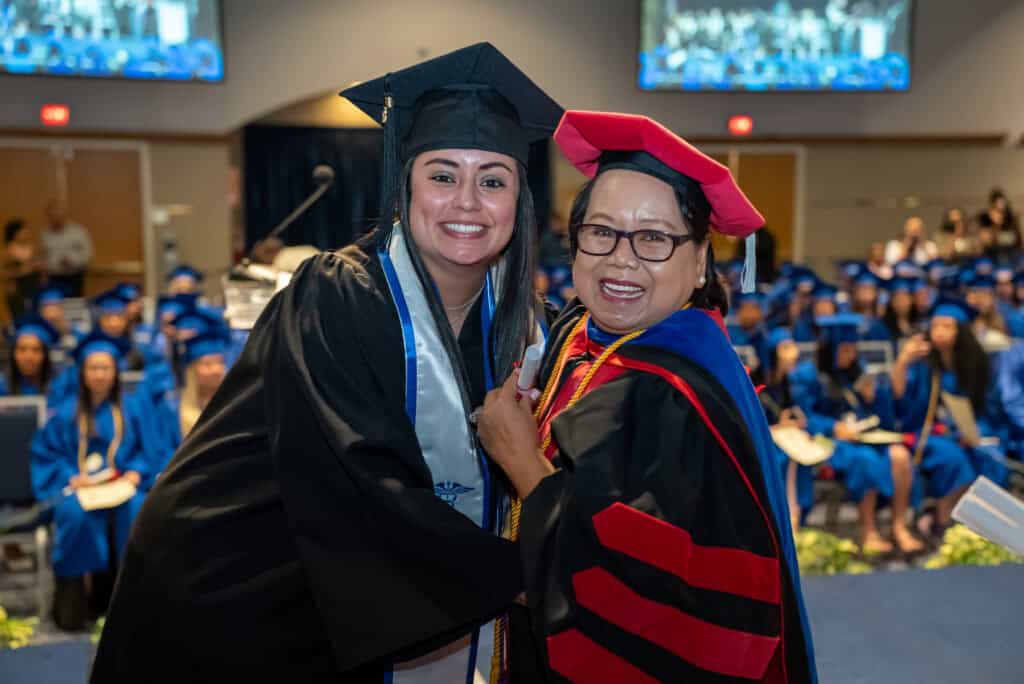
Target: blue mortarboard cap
(52, 294)
(786, 269)
(1018, 280)
(983, 266)
(803, 279)
(850, 268)
(907, 269)
(1003, 274)
(910, 285)
(981, 282)
(777, 337)
(867, 278)
(955, 308)
(175, 304)
(199, 320)
(206, 343)
(37, 326)
(128, 291)
(109, 302)
(843, 327)
(98, 341)
(185, 271)
(825, 291)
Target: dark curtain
(279, 163)
(278, 176)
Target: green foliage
(961, 546)
(15, 632)
(821, 553)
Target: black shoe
(102, 590)
(70, 604)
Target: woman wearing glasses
(653, 526)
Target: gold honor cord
(929, 419)
(498, 664)
(83, 439)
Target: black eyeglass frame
(677, 240)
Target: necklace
(468, 303)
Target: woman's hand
(915, 349)
(132, 477)
(78, 481)
(844, 432)
(790, 418)
(508, 433)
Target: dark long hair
(696, 211)
(827, 364)
(517, 308)
(15, 378)
(85, 406)
(892, 321)
(970, 365)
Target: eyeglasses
(649, 245)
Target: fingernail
(519, 396)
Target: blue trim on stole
(408, 337)
(409, 344)
(694, 335)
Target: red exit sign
(55, 115)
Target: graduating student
(654, 528)
(112, 314)
(748, 327)
(902, 317)
(165, 424)
(835, 389)
(330, 518)
(781, 409)
(184, 280)
(87, 435)
(865, 300)
(49, 304)
(949, 359)
(824, 302)
(29, 370)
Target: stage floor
(913, 627)
(919, 626)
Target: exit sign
(55, 115)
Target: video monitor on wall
(172, 40)
(776, 45)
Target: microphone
(323, 176)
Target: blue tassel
(749, 279)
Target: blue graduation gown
(1007, 407)
(804, 474)
(756, 338)
(1014, 320)
(81, 543)
(947, 465)
(861, 467)
(874, 330)
(155, 411)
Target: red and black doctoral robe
(653, 554)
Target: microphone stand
(246, 269)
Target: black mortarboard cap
(473, 98)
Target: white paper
(107, 495)
(993, 513)
(801, 447)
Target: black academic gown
(296, 532)
(646, 557)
